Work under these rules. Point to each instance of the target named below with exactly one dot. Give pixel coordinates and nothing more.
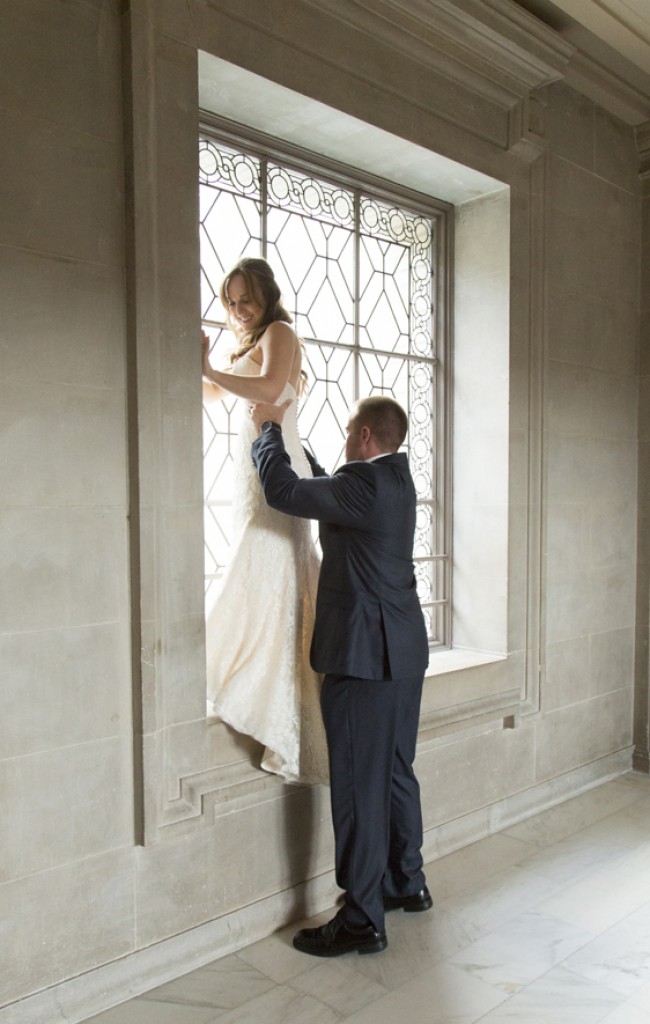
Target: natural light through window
(362, 274)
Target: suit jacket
(368, 617)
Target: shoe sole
(378, 947)
(411, 910)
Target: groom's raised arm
(344, 498)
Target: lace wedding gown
(259, 624)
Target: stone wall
(132, 826)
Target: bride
(259, 624)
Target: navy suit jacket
(368, 617)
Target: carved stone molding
(493, 709)
(186, 776)
(527, 129)
(602, 85)
(491, 47)
(206, 795)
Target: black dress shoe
(414, 904)
(336, 937)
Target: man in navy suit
(370, 642)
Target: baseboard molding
(486, 821)
(76, 999)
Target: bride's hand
(205, 351)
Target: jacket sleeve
(344, 499)
(316, 468)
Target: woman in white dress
(259, 623)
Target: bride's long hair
(261, 285)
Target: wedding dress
(259, 624)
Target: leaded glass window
(362, 271)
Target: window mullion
(264, 167)
(357, 288)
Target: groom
(370, 642)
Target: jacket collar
(387, 457)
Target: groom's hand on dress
(261, 412)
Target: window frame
(261, 145)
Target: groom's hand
(261, 412)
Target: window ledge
(456, 659)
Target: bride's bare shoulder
(280, 331)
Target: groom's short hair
(385, 419)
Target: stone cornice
(490, 47)
(493, 48)
(601, 84)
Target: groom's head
(377, 425)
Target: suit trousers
(371, 727)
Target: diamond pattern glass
(357, 273)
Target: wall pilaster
(642, 653)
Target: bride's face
(244, 306)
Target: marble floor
(547, 922)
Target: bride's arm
(212, 393)
(279, 348)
